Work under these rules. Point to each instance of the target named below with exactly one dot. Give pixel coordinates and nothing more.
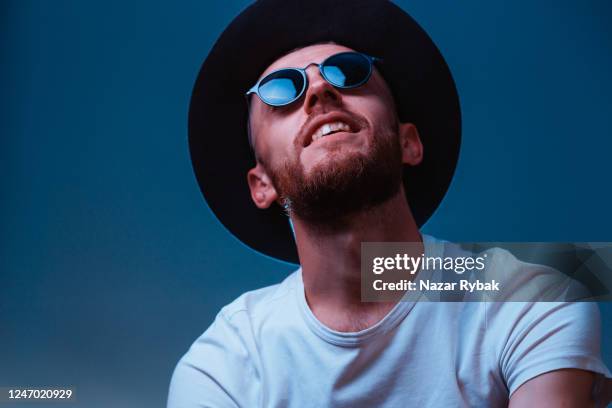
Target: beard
(345, 184)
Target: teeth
(328, 128)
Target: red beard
(336, 189)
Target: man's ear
(263, 192)
(412, 148)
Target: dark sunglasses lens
(281, 87)
(347, 70)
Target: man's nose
(319, 92)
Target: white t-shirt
(267, 349)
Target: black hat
(414, 69)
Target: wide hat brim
(414, 69)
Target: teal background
(110, 262)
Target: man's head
(322, 179)
(308, 177)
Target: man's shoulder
(236, 323)
(258, 303)
(513, 268)
(227, 353)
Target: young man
(336, 146)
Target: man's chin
(336, 147)
(329, 162)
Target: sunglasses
(345, 70)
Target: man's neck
(330, 260)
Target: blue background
(111, 264)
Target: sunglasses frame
(255, 88)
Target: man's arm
(567, 388)
(552, 356)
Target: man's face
(321, 178)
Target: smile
(330, 128)
(328, 124)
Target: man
(335, 151)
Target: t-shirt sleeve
(549, 336)
(217, 371)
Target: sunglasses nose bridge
(311, 64)
(318, 89)
(311, 77)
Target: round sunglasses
(345, 70)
